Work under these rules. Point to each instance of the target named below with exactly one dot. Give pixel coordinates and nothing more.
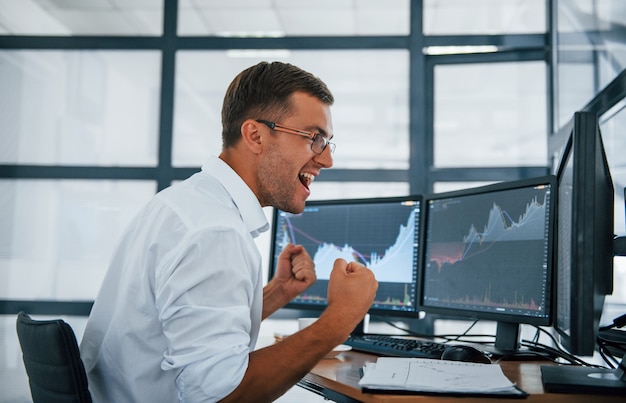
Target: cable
(446, 337)
(466, 330)
(534, 347)
(559, 351)
(618, 322)
(611, 351)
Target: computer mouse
(466, 354)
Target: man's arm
(274, 369)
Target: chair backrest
(52, 360)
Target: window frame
(421, 174)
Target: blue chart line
(394, 265)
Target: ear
(251, 135)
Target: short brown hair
(262, 92)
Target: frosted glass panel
(79, 107)
(75, 17)
(441, 187)
(490, 114)
(590, 15)
(370, 114)
(278, 18)
(57, 235)
(354, 190)
(462, 17)
(590, 54)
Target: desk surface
(337, 379)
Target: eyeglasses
(319, 143)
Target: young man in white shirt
(178, 313)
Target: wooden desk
(337, 379)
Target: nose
(325, 159)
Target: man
(178, 313)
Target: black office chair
(52, 360)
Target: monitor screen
(383, 234)
(585, 235)
(488, 255)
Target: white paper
(435, 376)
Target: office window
(71, 17)
(490, 114)
(600, 14)
(589, 52)
(575, 88)
(79, 107)
(252, 18)
(492, 17)
(58, 235)
(352, 190)
(370, 114)
(440, 187)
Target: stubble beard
(275, 187)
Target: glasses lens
(319, 143)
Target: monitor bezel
(588, 287)
(501, 318)
(316, 308)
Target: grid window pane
(356, 190)
(589, 53)
(253, 18)
(491, 114)
(71, 17)
(57, 235)
(79, 107)
(575, 88)
(370, 114)
(440, 187)
(590, 15)
(493, 17)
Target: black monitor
(488, 255)
(585, 235)
(381, 233)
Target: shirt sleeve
(204, 296)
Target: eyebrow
(322, 132)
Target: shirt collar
(245, 200)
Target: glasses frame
(319, 142)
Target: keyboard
(396, 346)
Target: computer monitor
(585, 235)
(488, 255)
(381, 233)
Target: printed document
(436, 376)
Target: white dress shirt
(180, 307)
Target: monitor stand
(575, 379)
(507, 344)
(507, 337)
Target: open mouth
(306, 179)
